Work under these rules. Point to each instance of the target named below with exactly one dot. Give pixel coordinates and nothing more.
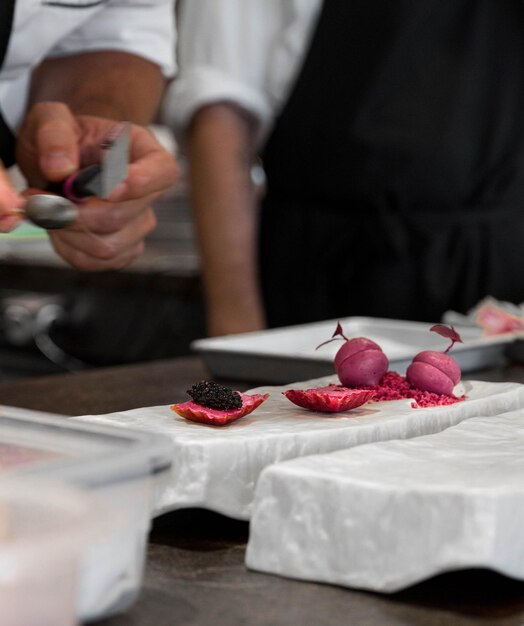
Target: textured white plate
(282, 355)
(218, 467)
(387, 515)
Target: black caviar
(215, 396)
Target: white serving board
(281, 355)
(218, 467)
(387, 515)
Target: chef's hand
(10, 203)
(109, 233)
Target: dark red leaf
(449, 333)
(338, 334)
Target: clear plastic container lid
(88, 455)
(124, 472)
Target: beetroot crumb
(393, 386)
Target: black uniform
(396, 169)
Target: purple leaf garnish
(338, 334)
(449, 333)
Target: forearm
(110, 84)
(220, 141)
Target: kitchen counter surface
(195, 572)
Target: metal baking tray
(288, 354)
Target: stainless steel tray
(284, 355)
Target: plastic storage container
(122, 470)
(43, 532)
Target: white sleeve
(243, 51)
(142, 27)
(224, 55)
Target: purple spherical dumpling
(441, 361)
(353, 346)
(433, 371)
(360, 362)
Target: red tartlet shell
(204, 415)
(330, 399)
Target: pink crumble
(396, 387)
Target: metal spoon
(49, 211)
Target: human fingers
(48, 143)
(86, 262)
(10, 203)
(103, 218)
(152, 168)
(94, 252)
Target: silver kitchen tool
(49, 211)
(58, 209)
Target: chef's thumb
(56, 140)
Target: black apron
(7, 141)
(395, 172)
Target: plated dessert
(362, 368)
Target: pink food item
(496, 321)
(359, 362)
(330, 399)
(434, 371)
(216, 417)
(396, 387)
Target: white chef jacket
(50, 28)
(243, 51)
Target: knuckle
(150, 221)
(138, 250)
(129, 257)
(112, 220)
(104, 249)
(76, 259)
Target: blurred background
(55, 319)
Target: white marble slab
(217, 467)
(387, 515)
